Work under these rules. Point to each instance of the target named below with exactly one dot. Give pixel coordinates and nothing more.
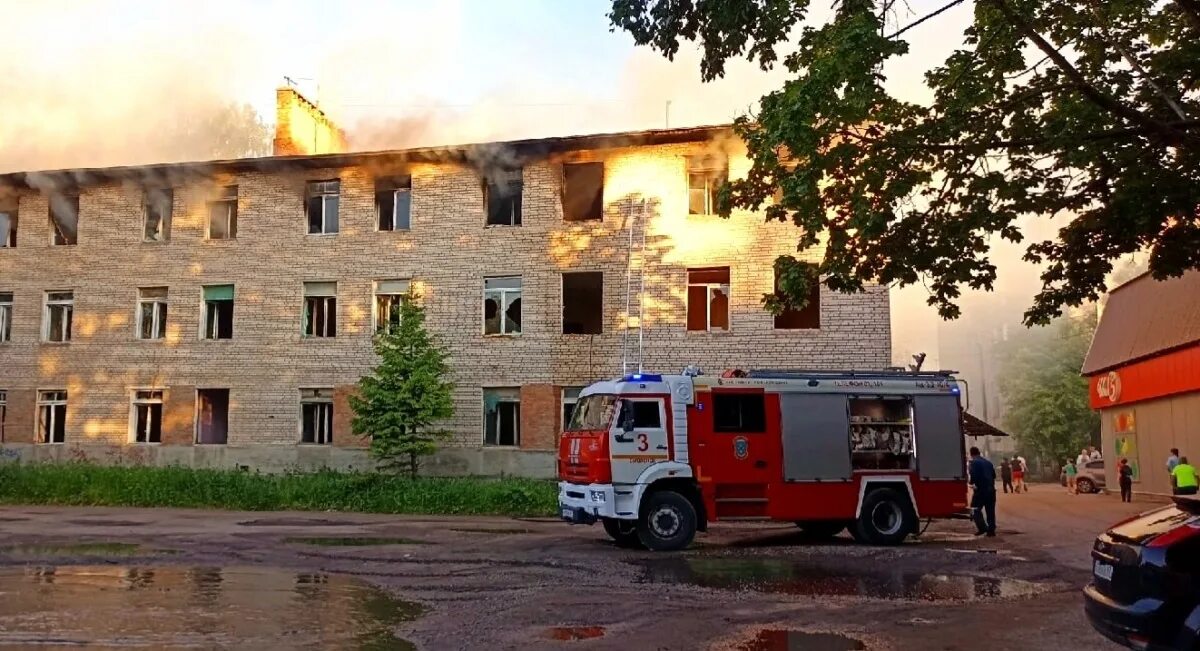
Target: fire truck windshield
(593, 412)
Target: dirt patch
(106, 523)
(360, 541)
(106, 549)
(787, 640)
(498, 532)
(571, 633)
(298, 522)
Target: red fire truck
(656, 458)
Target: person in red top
(1018, 476)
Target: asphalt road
(163, 578)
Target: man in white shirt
(1082, 459)
(1095, 455)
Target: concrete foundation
(450, 462)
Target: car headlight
(598, 496)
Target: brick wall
(303, 128)
(448, 253)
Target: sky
(92, 82)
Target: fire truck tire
(624, 532)
(887, 518)
(821, 529)
(668, 521)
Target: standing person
(1018, 475)
(1006, 476)
(1083, 458)
(1024, 469)
(1172, 460)
(1183, 476)
(983, 497)
(1070, 470)
(1095, 454)
(1125, 477)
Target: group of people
(1012, 475)
(1183, 474)
(1071, 467)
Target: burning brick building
(220, 313)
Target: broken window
(502, 416)
(739, 412)
(502, 306)
(706, 174)
(52, 416)
(583, 191)
(146, 416)
(316, 416)
(570, 396)
(222, 214)
(321, 198)
(393, 202)
(389, 295)
(6, 306)
(320, 309)
(157, 211)
(810, 316)
(64, 219)
(152, 312)
(60, 310)
(502, 196)
(212, 416)
(583, 303)
(218, 311)
(708, 299)
(8, 225)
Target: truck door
(737, 449)
(639, 437)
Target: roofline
(511, 151)
(1084, 372)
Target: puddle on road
(797, 578)
(70, 549)
(360, 541)
(571, 633)
(157, 607)
(788, 640)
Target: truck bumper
(585, 503)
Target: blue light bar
(643, 377)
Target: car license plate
(1102, 571)
(568, 514)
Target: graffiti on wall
(1125, 441)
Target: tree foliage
(1079, 108)
(1045, 399)
(400, 404)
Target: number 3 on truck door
(643, 443)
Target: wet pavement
(198, 607)
(207, 579)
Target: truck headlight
(598, 496)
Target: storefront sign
(1165, 375)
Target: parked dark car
(1145, 589)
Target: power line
(926, 17)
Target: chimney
(301, 128)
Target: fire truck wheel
(886, 518)
(821, 529)
(668, 522)
(624, 532)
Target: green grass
(79, 484)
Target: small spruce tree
(401, 402)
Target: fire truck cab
(655, 458)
